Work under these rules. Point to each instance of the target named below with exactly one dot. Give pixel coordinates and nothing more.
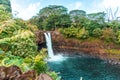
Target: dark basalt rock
(9, 73)
(40, 38)
(14, 73)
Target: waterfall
(50, 50)
(49, 44)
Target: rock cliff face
(77, 47)
(72, 46)
(40, 37)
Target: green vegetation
(51, 18)
(113, 51)
(73, 32)
(6, 4)
(54, 75)
(18, 46)
(77, 23)
(17, 39)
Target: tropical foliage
(6, 4)
(51, 18)
(17, 45)
(77, 23)
(17, 39)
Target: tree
(95, 21)
(115, 25)
(4, 15)
(98, 17)
(6, 4)
(52, 17)
(77, 17)
(79, 13)
(52, 10)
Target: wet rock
(13, 72)
(44, 77)
(9, 73)
(29, 75)
(40, 38)
(2, 72)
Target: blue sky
(25, 9)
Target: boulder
(2, 72)
(9, 73)
(29, 75)
(43, 77)
(14, 73)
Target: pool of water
(72, 68)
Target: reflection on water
(88, 68)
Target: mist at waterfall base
(73, 68)
(81, 68)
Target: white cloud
(76, 5)
(25, 12)
(113, 5)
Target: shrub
(82, 34)
(31, 62)
(108, 34)
(69, 32)
(117, 40)
(39, 64)
(72, 32)
(22, 44)
(54, 75)
(7, 59)
(4, 15)
(97, 32)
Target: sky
(25, 9)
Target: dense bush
(117, 37)
(17, 44)
(16, 36)
(97, 32)
(54, 75)
(30, 62)
(22, 44)
(108, 34)
(4, 15)
(115, 25)
(72, 32)
(39, 64)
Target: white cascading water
(49, 44)
(50, 50)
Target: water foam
(57, 58)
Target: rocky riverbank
(15, 73)
(93, 48)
